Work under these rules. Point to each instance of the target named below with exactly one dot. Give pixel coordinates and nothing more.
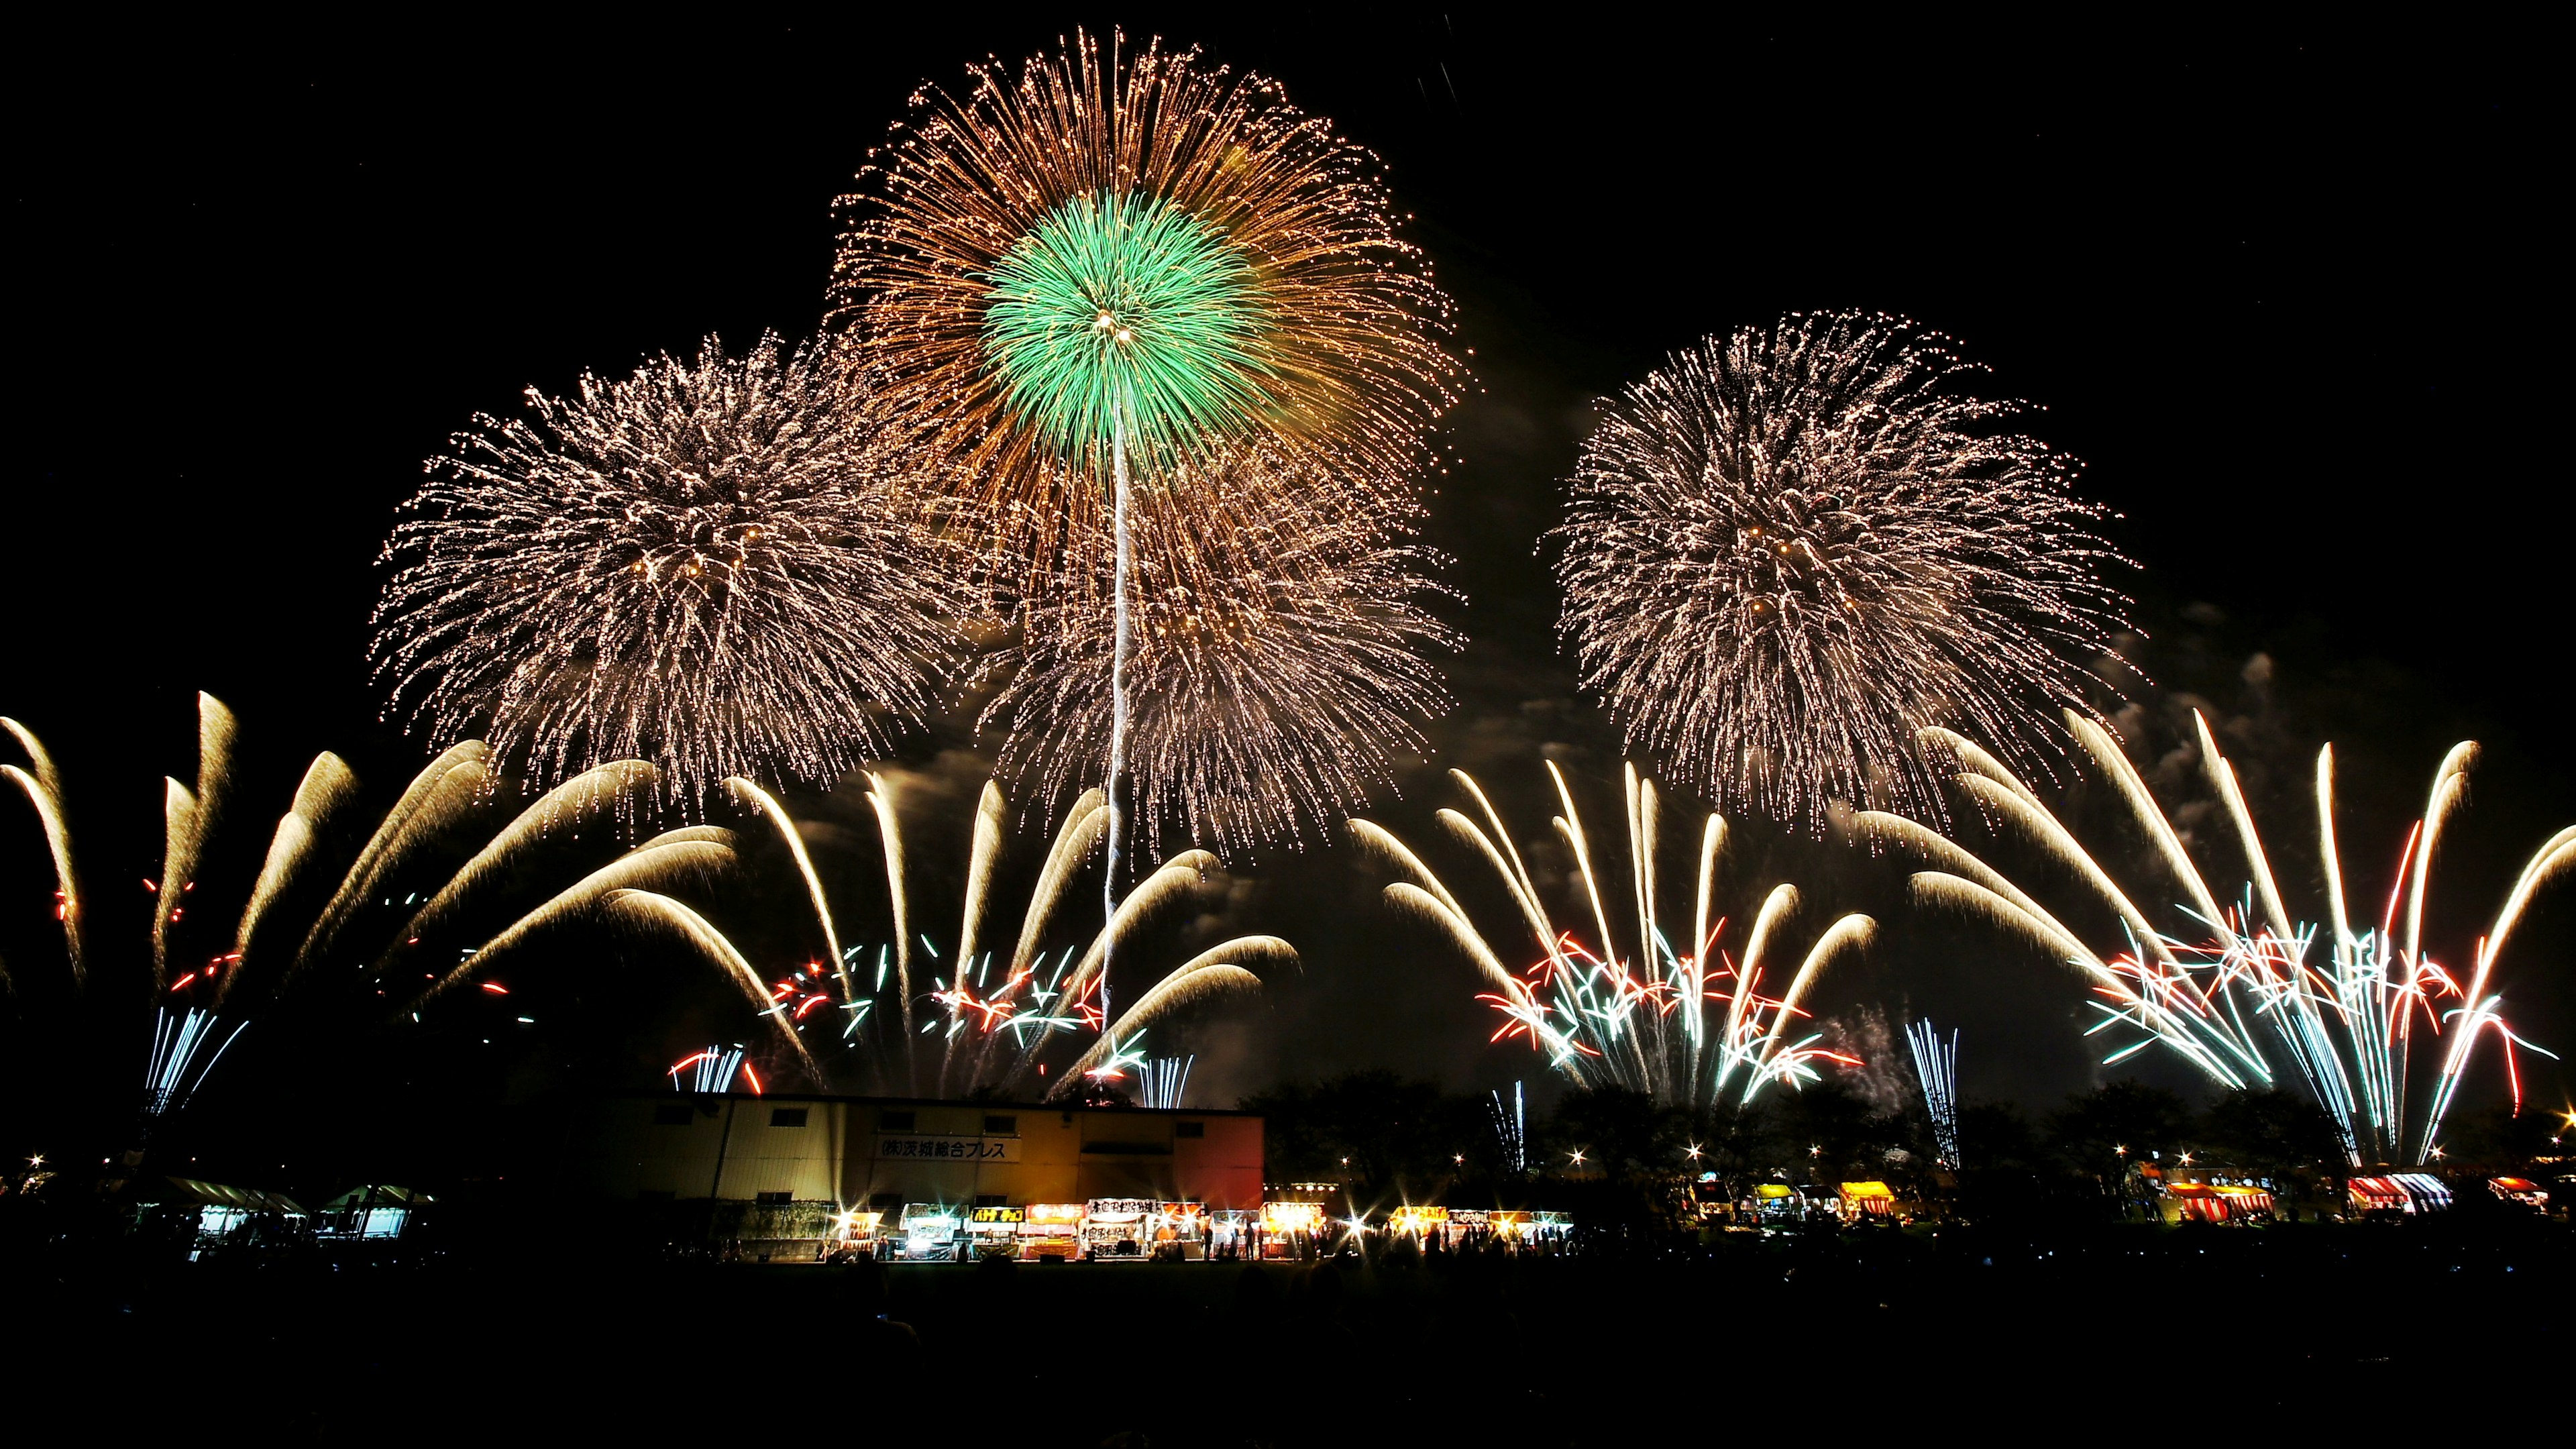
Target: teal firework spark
(1123, 304)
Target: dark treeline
(1388, 1138)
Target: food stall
(1178, 1230)
(858, 1231)
(2195, 1201)
(1115, 1228)
(1776, 1202)
(2425, 1193)
(2245, 1202)
(1868, 1200)
(2519, 1189)
(994, 1232)
(1230, 1232)
(1291, 1229)
(1424, 1224)
(926, 1233)
(1051, 1232)
(2376, 1195)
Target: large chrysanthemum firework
(1791, 548)
(718, 566)
(1276, 675)
(1142, 249)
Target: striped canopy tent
(2376, 1194)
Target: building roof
(216, 1194)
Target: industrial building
(800, 1160)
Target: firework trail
(718, 566)
(1162, 1082)
(202, 1010)
(2236, 995)
(44, 791)
(645, 910)
(1792, 547)
(1101, 273)
(562, 810)
(1511, 1129)
(1936, 1066)
(1682, 1026)
(188, 818)
(693, 853)
(1273, 679)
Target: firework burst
(1792, 547)
(1136, 252)
(1275, 677)
(715, 565)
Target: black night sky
(2283, 291)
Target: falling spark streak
(189, 817)
(899, 901)
(1642, 1022)
(438, 796)
(693, 854)
(566, 807)
(44, 793)
(1197, 980)
(2248, 998)
(1790, 548)
(647, 909)
(761, 803)
(327, 785)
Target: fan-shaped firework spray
(1790, 548)
(715, 565)
(2235, 996)
(1683, 1026)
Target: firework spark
(1682, 1026)
(2236, 995)
(1792, 547)
(1936, 1066)
(1275, 676)
(715, 565)
(994, 1019)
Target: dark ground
(2121, 1330)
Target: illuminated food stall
(994, 1232)
(1776, 1202)
(1051, 1231)
(1117, 1228)
(926, 1233)
(2244, 1201)
(1422, 1223)
(1868, 1199)
(2196, 1201)
(1230, 1232)
(1291, 1229)
(859, 1230)
(1178, 1230)
(2425, 1193)
(2519, 1189)
(2376, 1195)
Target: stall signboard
(1291, 1217)
(945, 1147)
(991, 1215)
(1054, 1212)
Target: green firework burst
(1121, 303)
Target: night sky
(2282, 291)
